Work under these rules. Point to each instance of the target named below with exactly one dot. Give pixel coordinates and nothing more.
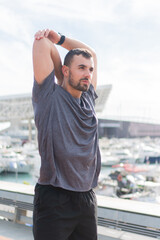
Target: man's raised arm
(45, 59)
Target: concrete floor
(14, 231)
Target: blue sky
(124, 33)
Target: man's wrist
(62, 39)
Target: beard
(80, 86)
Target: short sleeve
(40, 91)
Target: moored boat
(13, 162)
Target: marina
(125, 173)
(130, 169)
(129, 185)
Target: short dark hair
(76, 51)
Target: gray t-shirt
(67, 136)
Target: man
(64, 203)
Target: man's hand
(50, 34)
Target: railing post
(18, 213)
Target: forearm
(70, 44)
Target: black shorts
(60, 214)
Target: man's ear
(65, 70)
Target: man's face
(80, 73)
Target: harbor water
(24, 178)
(30, 179)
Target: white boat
(109, 160)
(16, 163)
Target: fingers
(41, 34)
(46, 32)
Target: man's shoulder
(40, 91)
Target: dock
(117, 218)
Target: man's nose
(88, 73)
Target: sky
(124, 33)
